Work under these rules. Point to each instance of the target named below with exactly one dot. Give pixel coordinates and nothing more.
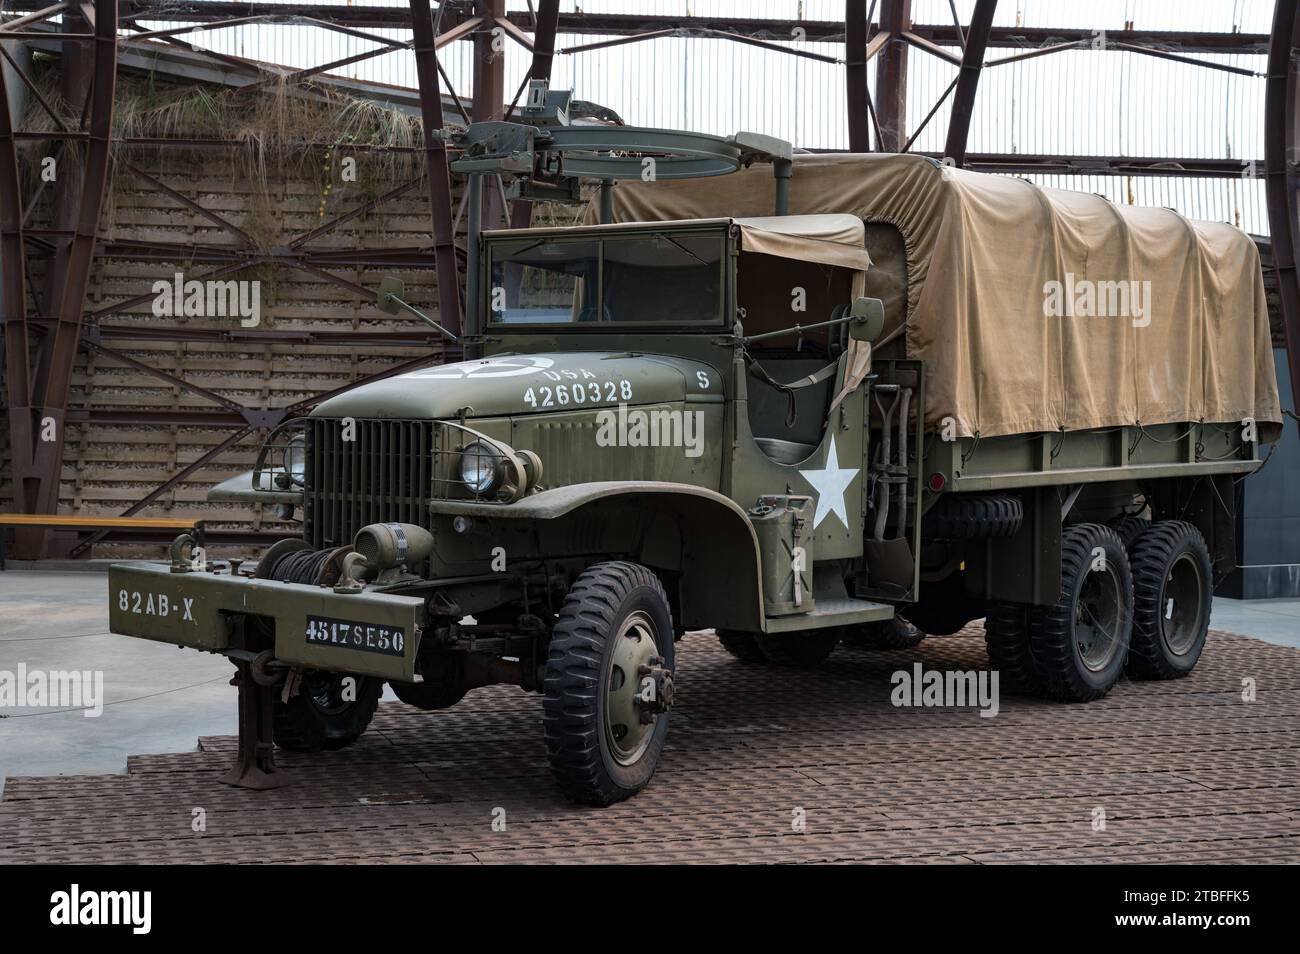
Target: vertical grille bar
(423, 455)
(336, 486)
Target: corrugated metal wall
(1084, 103)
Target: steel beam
(489, 92)
(891, 76)
(1281, 152)
(855, 74)
(413, 338)
(625, 24)
(13, 310)
(436, 166)
(1053, 164)
(968, 78)
(62, 347)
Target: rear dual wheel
(1073, 651)
(1143, 609)
(1078, 646)
(1173, 588)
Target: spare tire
(973, 517)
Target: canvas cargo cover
(1035, 309)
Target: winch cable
(300, 566)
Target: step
(830, 611)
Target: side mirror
(390, 289)
(868, 319)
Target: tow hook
(656, 693)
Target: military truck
(830, 409)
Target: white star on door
(830, 483)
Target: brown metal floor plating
(1181, 771)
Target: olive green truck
(881, 399)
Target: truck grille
(386, 473)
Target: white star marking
(830, 483)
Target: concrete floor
(1273, 621)
(157, 698)
(160, 699)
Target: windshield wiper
(669, 238)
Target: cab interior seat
(769, 407)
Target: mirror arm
(389, 296)
(800, 329)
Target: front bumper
(370, 634)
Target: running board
(831, 611)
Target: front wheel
(330, 710)
(609, 683)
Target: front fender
(717, 554)
(242, 489)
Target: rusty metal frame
(968, 78)
(857, 25)
(13, 307)
(437, 168)
(891, 76)
(36, 463)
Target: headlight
(295, 459)
(480, 466)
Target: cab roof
(826, 238)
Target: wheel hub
(326, 691)
(1181, 606)
(1097, 619)
(640, 687)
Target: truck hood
(528, 384)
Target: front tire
(1172, 592)
(612, 642)
(325, 713)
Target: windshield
(659, 277)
